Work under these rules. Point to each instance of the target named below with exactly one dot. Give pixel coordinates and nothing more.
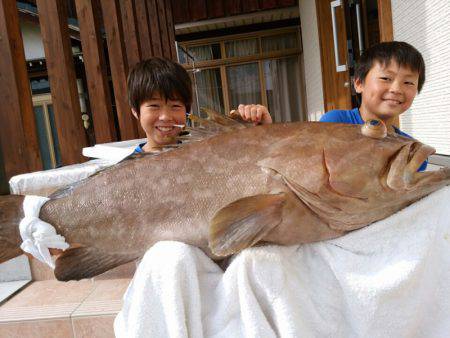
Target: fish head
(348, 172)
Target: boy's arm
(256, 113)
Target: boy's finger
(254, 111)
(259, 113)
(247, 112)
(241, 109)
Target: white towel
(390, 279)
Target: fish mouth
(402, 173)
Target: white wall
(311, 56)
(32, 41)
(426, 25)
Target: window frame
(259, 58)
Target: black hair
(161, 75)
(403, 53)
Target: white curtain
(207, 82)
(283, 88)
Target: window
(262, 67)
(46, 131)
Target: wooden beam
(18, 138)
(130, 32)
(61, 73)
(154, 28)
(94, 60)
(171, 31)
(385, 20)
(119, 67)
(145, 39)
(163, 29)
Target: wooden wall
(194, 10)
(18, 137)
(135, 30)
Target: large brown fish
(282, 183)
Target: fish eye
(374, 128)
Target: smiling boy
(160, 96)
(388, 76)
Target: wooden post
(18, 137)
(145, 39)
(88, 12)
(163, 29)
(171, 30)
(130, 32)
(385, 20)
(154, 27)
(119, 67)
(61, 73)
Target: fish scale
(285, 184)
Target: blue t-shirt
(354, 117)
(139, 149)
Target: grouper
(285, 184)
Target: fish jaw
(403, 174)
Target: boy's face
(387, 91)
(158, 118)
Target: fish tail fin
(11, 212)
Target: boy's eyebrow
(409, 73)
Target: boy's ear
(135, 113)
(358, 84)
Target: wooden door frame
(386, 34)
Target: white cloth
(44, 183)
(390, 279)
(38, 236)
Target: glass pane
(181, 55)
(242, 47)
(40, 86)
(204, 53)
(279, 42)
(42, 132)
(283, 91)
(51, 117)
(209, 89)
(243, 84)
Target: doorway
(346, 29)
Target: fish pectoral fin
(244, 222)
(86, 262)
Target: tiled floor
(50, 308)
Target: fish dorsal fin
(244, 222)
(86, 262)
(214, 124)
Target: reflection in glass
(242, 47)
(283, 91)
(205, 52)
(51, 117)
(43, 137)
(279, 42)
(244, 84)
(209, 89)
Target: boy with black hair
(160, 96)
(388, 76)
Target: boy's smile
(387, 91)
(161, 120)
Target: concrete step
(50, 308)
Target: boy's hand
(256, 113)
